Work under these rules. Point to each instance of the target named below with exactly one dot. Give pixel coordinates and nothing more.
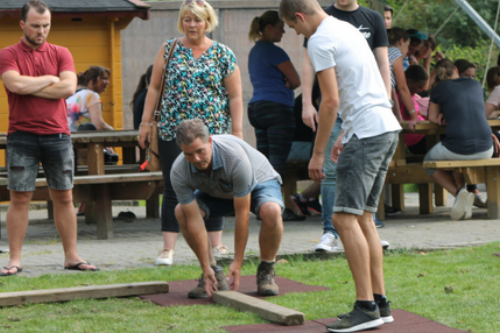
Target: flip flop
(19, 270)
(77, 267)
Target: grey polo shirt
(237, 168)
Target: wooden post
(95, 161)
(398, 196)
(493, 192)
(103, 219)
(440, 196)
(50, 210)
(381, 206)
(425, 198)
(153, 206)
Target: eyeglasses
(198, 2)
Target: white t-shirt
(364, 104)
(494, 97)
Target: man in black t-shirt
(371, 25)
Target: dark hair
(463, 64)
(415, 36)
(492, 78)
(39, 6)
(444, 70)
(388, 8)
(416, 73)
(259, 24)
(92, 74)
(395, 34)
(143, 83)
(189, 130)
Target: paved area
(137, 243)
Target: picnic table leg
(290, 186)
(493, 192)
(104, 219)
(50, 210)
(381, 207)
(440, 196)
(425, 198)
(398, 196)
(153, 206)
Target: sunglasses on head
(198, 2)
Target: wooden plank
(461, 164)
(473, 175)
(425, 198)
(493, 192)
(68, 294)
(95, 158)
(269, 311)
(103, 212)
(440, 196)
(411, 173)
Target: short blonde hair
(205, 12)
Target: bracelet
(150, 124)
(412, 111)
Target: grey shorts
(361, 171)
(25, 152)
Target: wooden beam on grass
(269, 311)
(68, 294)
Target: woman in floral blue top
(202, 81)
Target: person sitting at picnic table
(273, 77)
(458, 103)
(202, 81)
(218, 176)
(85, 106)
(139, 98)
(465, 68)
(492, 104)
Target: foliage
(458, 288)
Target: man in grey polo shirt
(219, 176)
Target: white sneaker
(468, 206)
(479, 201)
(385, 244)
(328, 243)
(220, 251)
(165, 257)
(460, 205)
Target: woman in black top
(458, 103)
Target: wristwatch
(391, 102)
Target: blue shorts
(268, 191)
(25, 151)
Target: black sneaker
(357, 320)
(385, 313)
(300, 206)
(391, 211)
(289, 215)
(314, 207)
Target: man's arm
(62, 89)
(27, 85)
(309, 112)
(382, 57)
(242, 210)
(328, 113)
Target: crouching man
(220, 176)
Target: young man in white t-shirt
(351, 85)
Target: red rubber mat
(178, 290)
(404, 322)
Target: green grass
(408, 188)
(415, 281)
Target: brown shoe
(200, 292)
(265, 280)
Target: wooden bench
(477, 172)
(100, 190)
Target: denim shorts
(268, 191)
(25, 151)
(361, 171)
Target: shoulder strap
(157, 111)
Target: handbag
(153, 156)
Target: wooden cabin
(91, 30)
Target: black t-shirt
(139, 107)
(369, 22)
(462, 105)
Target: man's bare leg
(271, 230)
(17, 224)
(357, 252)
(65, 221)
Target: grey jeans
(361, 171)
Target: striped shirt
(394, 53)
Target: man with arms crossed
(371, 25)
(38, 76)
(351, 84)
(218, 176)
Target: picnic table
(410, 169)
(100, 184)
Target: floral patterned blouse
(195, 89)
